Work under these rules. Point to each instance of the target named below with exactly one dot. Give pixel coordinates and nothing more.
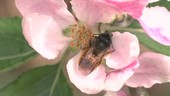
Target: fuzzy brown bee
(93, 55)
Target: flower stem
(121, 29)
(60, 67)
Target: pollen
(81, 36)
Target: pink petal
(116, 79)
(92, 83)
(126, 48)
(93, 11)
(44, 35)
(57, 9)
(154, 68)
(119, 93)
(132, 7)
(156, 21)
(97, 80)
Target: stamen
(81, 36)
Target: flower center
(81, 36)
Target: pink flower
(100, 79)
(154, 68)
(44, 20)
(124, 67)
(155, 20)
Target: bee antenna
(111, 40)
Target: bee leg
(109, 52)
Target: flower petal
(156, 21)
(126, 48)
(116, 79)
(54, 8)
(92, 83)
(154, 68)
(44, 35)
(93, 11)
(131, 7)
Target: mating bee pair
(93, 55)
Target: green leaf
(38, 82)
(14, 49)
(135, 24)
(163, 3)
(145, 40)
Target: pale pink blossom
(40, 15)
(93, 11)
(100, 79)
(135, 70)
(128, 53)
(37, 28)
(155, 20)
(44, 20)
(131, 7)
(154, 68)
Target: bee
(93, 55)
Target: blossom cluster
(44, 21)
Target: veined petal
(93, 11)
(131, 7)
(116, 79)
(54, 8)
(154, 68)
(44, 35)
(126, 48)
(90, 84)
(156, 21)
